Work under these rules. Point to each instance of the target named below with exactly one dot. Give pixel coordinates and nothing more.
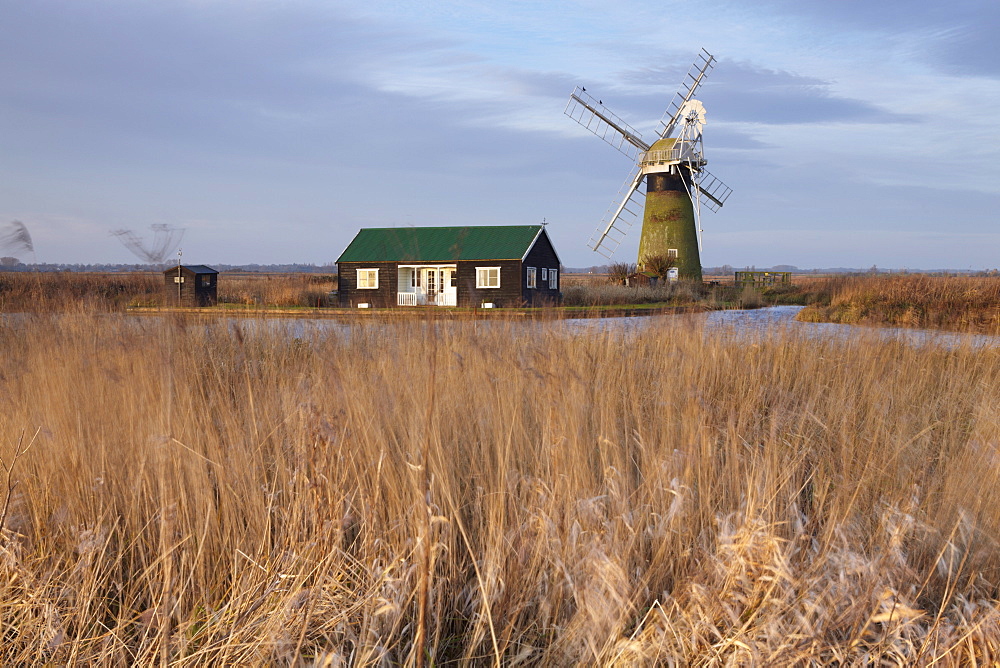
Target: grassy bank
(957, 303)
(208, 494)
(597, 294)
(937, 302)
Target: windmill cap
(663, 144)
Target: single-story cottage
(501, 266)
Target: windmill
(14, 238)
(165, 240)
(669, 182)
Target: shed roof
(193, 268)
(441, 244)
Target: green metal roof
(440, 244)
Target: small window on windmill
(672, 253)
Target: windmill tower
(669, 182)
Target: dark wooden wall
(382, 297)
(507, 295)
(542, 254)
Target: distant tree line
(13, 264)
(8, 263)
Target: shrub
(619, 273)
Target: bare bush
(619, 273)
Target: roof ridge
(440, 243)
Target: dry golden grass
(276, 289)
(41, 292)
(480, 493)
(959, 303)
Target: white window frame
(369, 275)
(485, 275)
(672, 253)
(545, 275)
(553, 279)
(532, 278)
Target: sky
(853, 133)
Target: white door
(449, 289)
(430, 277)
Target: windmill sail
(620, 218)
(165, 241)
(693, 80)
(591, 114)
(14, 238)
(712, 190)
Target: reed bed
(66, 291)
(40, 292)
(958, 303)
(682, 293)
(493, 493)
(276, 289)
(609, 294)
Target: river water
(751, 323)
(758, 322)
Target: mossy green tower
(669, 224)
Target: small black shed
(191, 285)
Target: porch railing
(445, 299)
(419, 299)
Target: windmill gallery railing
(681, 151)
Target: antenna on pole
(180, 278)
